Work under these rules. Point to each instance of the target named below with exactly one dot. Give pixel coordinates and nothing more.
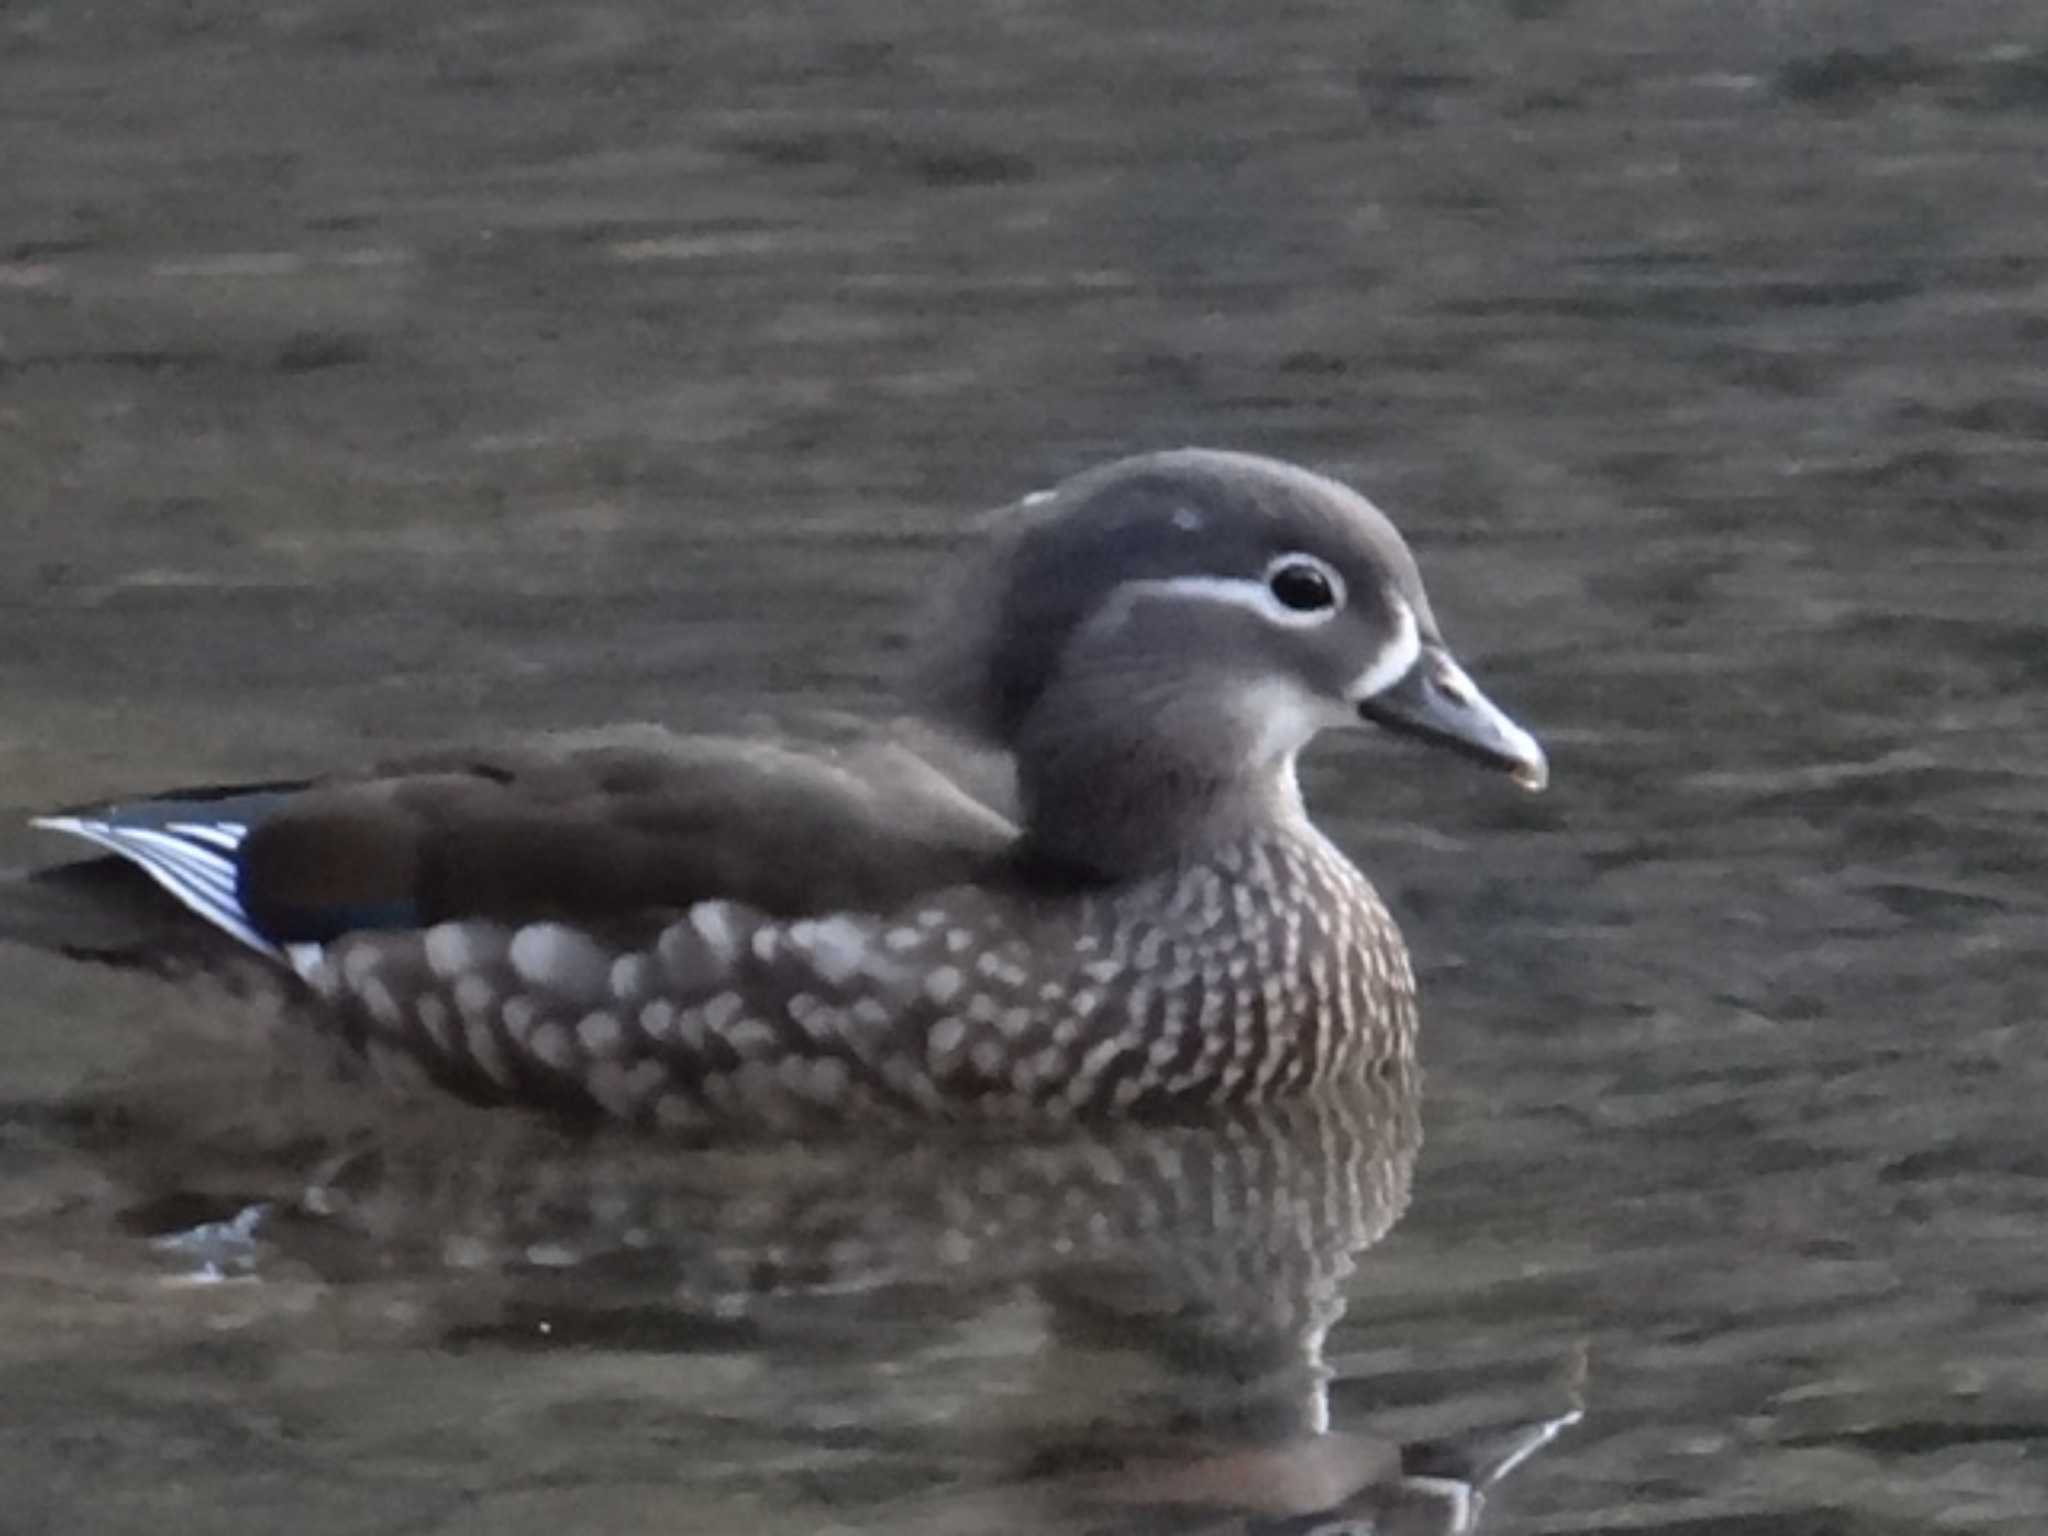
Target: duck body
(1084, 883)
(1007, 998)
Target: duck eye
(1303, 587)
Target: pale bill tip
(1531, 766)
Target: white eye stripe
(1234, 590)
(1256, 595)
(1402, 650)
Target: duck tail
(166, 862)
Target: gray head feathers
(1046, 565)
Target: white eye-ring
(1303, 590)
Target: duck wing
(605, 831)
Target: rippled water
(373, 374)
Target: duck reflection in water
(1181, 1280)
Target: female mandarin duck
(687, 931)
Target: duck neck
(1112, 808)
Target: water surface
(372, 375)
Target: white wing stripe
(188, 867)
(199, 865)
(200, 887)
(224, 835)
(203, 881)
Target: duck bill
(1436, 701)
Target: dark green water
(374, 374)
